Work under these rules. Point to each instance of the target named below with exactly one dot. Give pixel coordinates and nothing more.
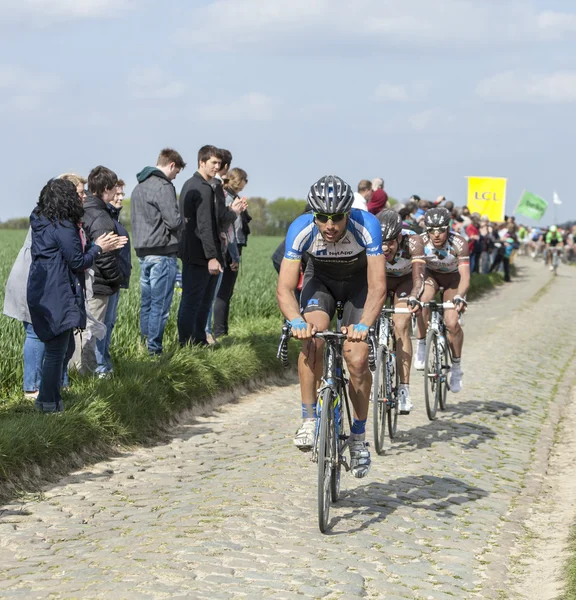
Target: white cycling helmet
(331, 195)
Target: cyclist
(447, 266)
(345, 263)
(405, 267)
(553, 239)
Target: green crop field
(254, 299)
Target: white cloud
(150, 82)
(529, 88)
(294, 24)
(23, 91)
(44, 12)
(250, 107)
(392, 92)
(555, 24)
(432, 118)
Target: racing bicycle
(438, 358)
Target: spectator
(84, 357)
(378, 202)
(55, 289)
(505, 247)
(377, 184)
(105, 367)
(486, 233)
(201, 248)
(474, 248)
(97, 221)
(156, 227)
(226, 161)
(16, 307)
(408, 220)
(234, 183)
(363, 195)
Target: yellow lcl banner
(487, 196)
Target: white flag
(556, 200)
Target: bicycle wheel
(444, 374)
(339, 442)
(432, 374)
(393, 380)
(379, 403)
(325, 458)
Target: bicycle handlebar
(432, 304)
(396, 311)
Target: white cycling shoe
(420, 357)
(304, 438)
(456, 375)
(359, 456)
(404, 400)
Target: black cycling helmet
(437, 217)
(331, 195)
(391, 224)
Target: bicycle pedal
(344, 463)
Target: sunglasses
(321, 218)
(437, 230)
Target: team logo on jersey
(312, 302)
(346, 240)
(322, 252)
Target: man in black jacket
(97, 220)
(201, 247)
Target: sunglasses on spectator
(322, 218)
(437, 230)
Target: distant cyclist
(447, 266)
(553, 239)
(405, 268)
(345, 263)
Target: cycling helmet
(553, 228)
(437, 217)
(331, 195)
(391, 224)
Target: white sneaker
(420, 357)
(359, 456)
(551, 268)
(304, 438)
(456, 378)
(404, 401)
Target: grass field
(145, 392)
(254, 300)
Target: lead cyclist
(346, 263)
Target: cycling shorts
(399, 286)
(321, 293)
(448, 281)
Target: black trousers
(197, 293)
(500, 258)
(222, 302)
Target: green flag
(532, 206)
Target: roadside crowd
(65, 284)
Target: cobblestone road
(228, 508)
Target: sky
(421, 92)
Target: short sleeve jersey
(446, 259)
(411, 249)
(339, 260)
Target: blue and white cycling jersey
(342, 259)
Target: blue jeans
(157, 279)
(33, 358)
(57, 353)
(103, 346)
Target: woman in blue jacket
(55, 291)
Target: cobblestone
(227, 509)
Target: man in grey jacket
(156, 225)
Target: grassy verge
(570, 571)
(135, 406)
